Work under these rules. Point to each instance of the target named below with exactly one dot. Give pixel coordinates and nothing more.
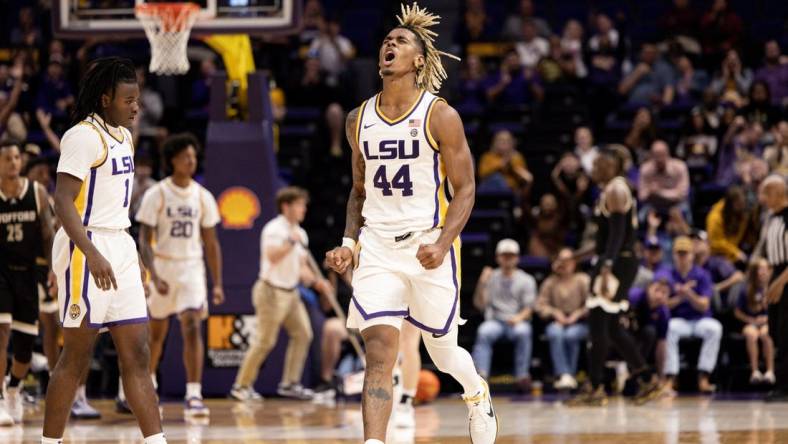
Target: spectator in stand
(752, 312)
(313, 17)
(333, 50)
(777, 154)
(572, 46)
(759, 108)
(732, 81)
(54, 94)
(651, 82)
(605, 55)
(689, 83)
(201, 87)
(513, 27)
(558, 66)
(585, 150)
(562, 300)
(726, 278)
(664, 182)
(681, 20)
(503, 168)
(727, 223)
(11, 123)
(739, 148)
(512, 86)
(151, 111)
(720, 30)
(642, 134)
(313, 89)
(45, 122)
(476, 25)
(548, 228)
(572, 185)
(698, 144)
(471, 91)
(652, 260)
(774, 72)
(690, 305)
(650, 318)
(531, 48)
(27, 33)
(506, 295)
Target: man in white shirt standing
(277, 301)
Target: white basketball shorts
(187, 288)
(78, 295)
(390, 284)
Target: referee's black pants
(778, 330)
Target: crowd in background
(697, 108)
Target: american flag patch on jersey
(414, 123)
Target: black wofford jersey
(20, 227)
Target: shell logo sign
(239, 207)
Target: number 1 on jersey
(126, 196)
(401, 181)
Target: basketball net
(167, 26)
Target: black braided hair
(102, 77)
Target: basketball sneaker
(245, 394)
(13, 404)
(5, 419)
(80, 409)
(647, 391)
(404, 415)
(295, 391)
(122, 406)
(589, 397)
(483, 422)
(196, 408)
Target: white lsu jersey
(405, 177)
(102, 157)
(178, 214)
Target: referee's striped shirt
(776, 245)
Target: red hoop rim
(174, 16)
(165, 7)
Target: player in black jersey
(614, 272)
(25, 229)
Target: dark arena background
(690, 95)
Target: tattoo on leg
(379, 393)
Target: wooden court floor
(682, 420)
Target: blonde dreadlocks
(418, 21)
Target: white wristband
(349, 243)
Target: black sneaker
(647, 391)
(122, 406)
(589, 397)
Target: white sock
(373, 441)
(156, 439)
(81, 394)
(408, 395)
(155, 383)
(45, 440)
(193, 390)
(121, 392)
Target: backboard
(86, 18)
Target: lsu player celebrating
(181, 216)
(93, 256)
(413, 191)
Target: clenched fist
(431, 255)
(339, 259)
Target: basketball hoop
(167, 26)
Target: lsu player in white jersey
(178, 219)
(93, 256)
(413, 191)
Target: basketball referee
(773, 194)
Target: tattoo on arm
(353, 219)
